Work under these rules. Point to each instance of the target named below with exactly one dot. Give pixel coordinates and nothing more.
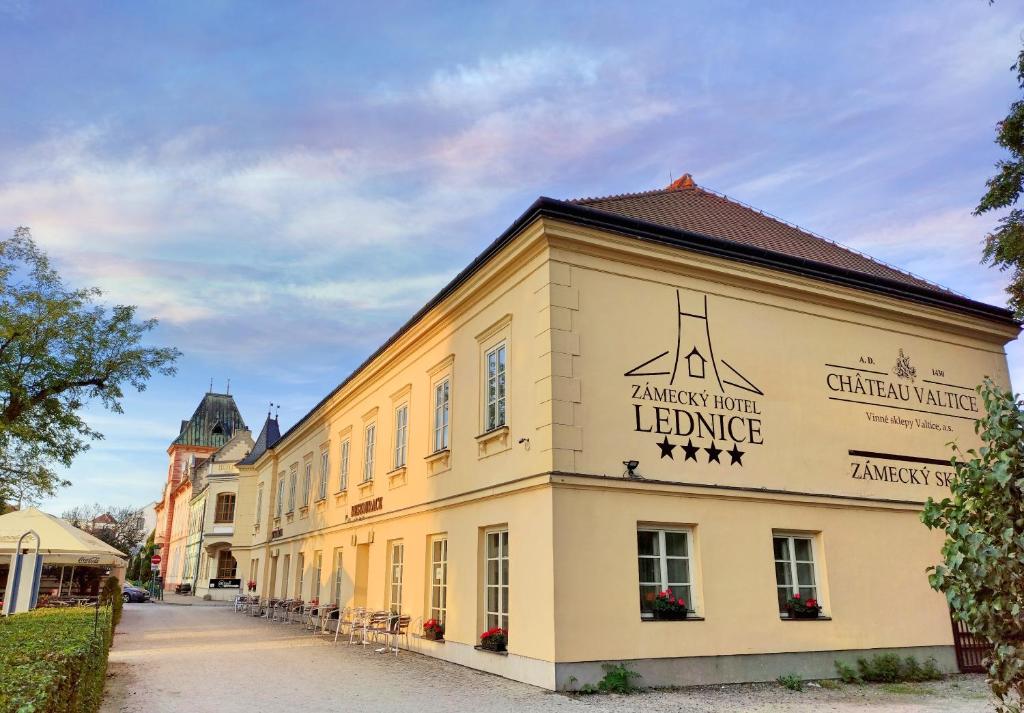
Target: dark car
(131, 593)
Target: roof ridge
(836, 243)
(677, 187)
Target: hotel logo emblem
(693, 398)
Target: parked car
(131, 593)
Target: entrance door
(273, 577)
(362, 575)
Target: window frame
(791, 537)
(325, 469)
(693, 599)
(293, 479)
(369, 448)
(218, 518)
(280, 495)
(437, 607)
(307, 482)
(343, 464)
(401, 449)
(396, 566)
(318, 568)
(502, 611)
(339, 574)
(259, 504)
(499, 347)
(441, 440)
(300, 571)
(234, 569)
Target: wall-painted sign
(695, 402)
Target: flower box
(494, 640)
(665, 607)
(799, 608)
(433, 630)
(670, 615)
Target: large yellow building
(628, 394)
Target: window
(318, 568)
(371, 442)
(496, 582)
(401, 434)
(438, 578)
(226, 565)
(664, 562)
(397, 566)
(307, 483)
(321, 491)
(339, 576)
(280, 494)
(292, 478)
(259, 503)
(496, 387)
(343, 471)
(442, 406)
(300, 574)
(225, 511)
(794, 568)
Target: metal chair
(376, 626)
(345, 621)
(398, 628)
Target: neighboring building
(214, 422)
(664, 390)
(210, 565)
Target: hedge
(51, 661)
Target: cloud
(494, 81)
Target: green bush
(54, 660)
(618, 679)
(847, 673)
(791, 681)
(890, 668)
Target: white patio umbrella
(60, 542)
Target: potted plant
(666, 607)
(495, 639)
(803, 608)
(433, 630)
(251, 585)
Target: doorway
(362, 575)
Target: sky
(283, 184)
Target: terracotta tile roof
(686, 206)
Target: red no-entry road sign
(155, 559)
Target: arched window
(225, 508)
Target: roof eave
(545, 207)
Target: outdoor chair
(358, 627)
(294, 609)
(376, 626)
(345, 622)
(398, 628)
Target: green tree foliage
(120, 527)
(59, 350)
(1004, 246)
(982, 569)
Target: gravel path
(205, 658)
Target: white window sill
(439, 461)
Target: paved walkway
(195, 659)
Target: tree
(59, 350)
(982, 570)
(120, 527)
(1004, 246)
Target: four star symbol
(666, 448)
(714, 453)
